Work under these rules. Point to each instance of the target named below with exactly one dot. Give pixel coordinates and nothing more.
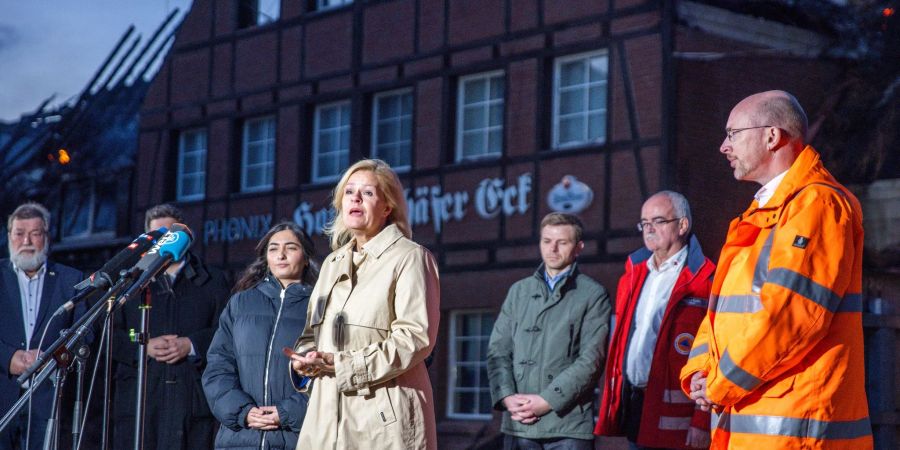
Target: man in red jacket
(660, 302)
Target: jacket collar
(570, 275)
(194, 270)
(271, 287)
(382, 241)
(695, 256)
(806, 169)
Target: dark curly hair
(259, 268)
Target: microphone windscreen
(174, 244)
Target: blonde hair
(388, 187)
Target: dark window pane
(484, 403)
(487, 324)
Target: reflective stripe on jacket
(667, 412)
(782, 340)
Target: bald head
(778, 109)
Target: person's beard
(28, 262)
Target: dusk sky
(54, 46)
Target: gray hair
(681, 206)
(160, 211)
(782, 110)
(30, 210)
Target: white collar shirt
(765, 193)
(648, 316)
(30, 291)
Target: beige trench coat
(380, 396)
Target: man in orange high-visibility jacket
(779, 356)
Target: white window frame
(398, 121)
(460, 110)
(322, 5)
(269, 142)
(452, 365)
(201, 174)
(557, 70)
(316, 178)
(268, 15)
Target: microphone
(103, 278)
(171, 248)
(128, 257)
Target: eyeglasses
(658, 222)
(34, 235)
(730, 133)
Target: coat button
(557, 389)
(549, 377)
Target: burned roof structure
(77, 157)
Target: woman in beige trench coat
(373, 319)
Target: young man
(547, 346)
(187, 301)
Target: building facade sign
(234, 229)
(426, 204)
(570, 196)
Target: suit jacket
(59, 282)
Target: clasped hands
(698, 392)
(313, 363)
(263, 418)
(168, 348)
(526, 408)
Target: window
(258, 159)
(191, 181)
(392, 128)
(89, 208)
(579, 99)
(329, 4)
(331, 141)
(469, 396)
(479, 129)
(258, 12)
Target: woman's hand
(313, 364)
(263, 418)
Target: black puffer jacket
(245, 367)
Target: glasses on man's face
(34, 235)
(655, 223)
(730, 133)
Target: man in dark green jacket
(548, 345)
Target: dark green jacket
(552, 344)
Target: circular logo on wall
(683, 343)
(570, 196)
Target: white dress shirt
(765, 193)
(648, 316)
(30, 290)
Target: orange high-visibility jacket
(782, 341)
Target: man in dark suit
(187, 302)
(31, 290)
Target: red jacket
(667, 412)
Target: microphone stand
(51, 435)
(105, 432)
(81, 357)
(59, 353)
(147, 275)
(142, 338)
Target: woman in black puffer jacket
(247, 381)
